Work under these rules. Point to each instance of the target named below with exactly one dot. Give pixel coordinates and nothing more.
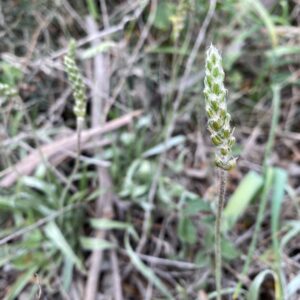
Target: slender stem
(218, 252)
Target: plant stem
(76, 167)
(218, 252)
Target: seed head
(178, 19)
(216, 109)
(76, 81)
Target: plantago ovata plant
(79, 108)
(222, 137)
(77, 84)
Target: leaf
(109, 224)
(162, 147)
(280, 51)
(20, 284)
(229, 251)
(186, 230)
(101, 48)
(164, 11)
(254, 289)
(266, 18)
(95, 244)
(55, 235)
(295, 230)
(194, 206)
(239, 201)
(279, 183)
(144, 270)
(293, 287)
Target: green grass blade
(254, 290)
(144, 270)
(239, 201)
(95, 244)
(279, 183)
(55, 235)
(266, 18)
(20, 284)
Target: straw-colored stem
(218, 252)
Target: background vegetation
(137, 221)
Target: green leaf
(239, 201)
(109, 224)
(229, 251)
(95, 244)
(186, 230)
(164, 11)
(258, 7)
(194, 206)
(55, 235)
(101, 48)
(254, 290)
(279, 182)
(144, 270)
(162, 147)
(20, 284)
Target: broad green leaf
(194, 206)
(55, 235)
(186, 230)
(239, 201)
(229, 251)
(146, 271)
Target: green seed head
(76, 81)
(216, 109)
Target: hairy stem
(218, 252)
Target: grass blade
(146, 271)
(254, 291)
(241, 198)
(20, 284)
(55, 235)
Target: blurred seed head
(216, 109)
(75, 78)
